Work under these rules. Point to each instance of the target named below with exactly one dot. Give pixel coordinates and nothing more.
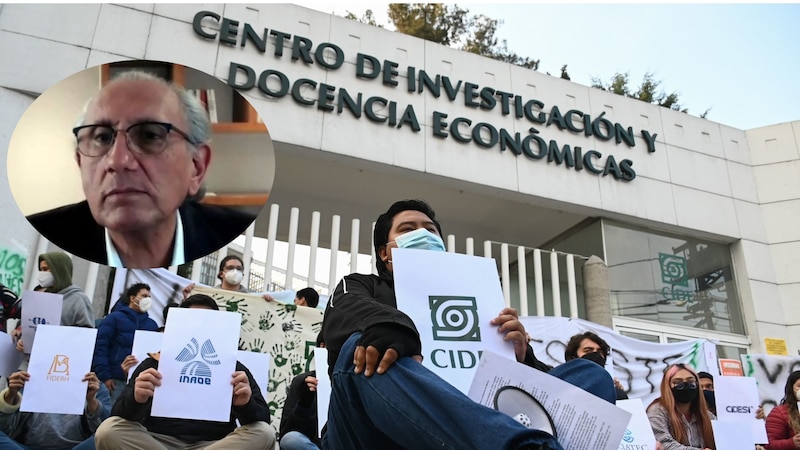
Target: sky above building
(740, 61)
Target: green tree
(648, 91)
(368, 18)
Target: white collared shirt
(178, 256)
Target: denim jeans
(410, 407)
(6, 443)
(295, 440)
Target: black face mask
(709, 395)
(685, 395)
(596, 357)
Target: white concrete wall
(775, 154)
(705, 179)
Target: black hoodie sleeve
(256, 410)
(126, 406)
(367, 302)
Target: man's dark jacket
(300, 409)
(206, 229)
(187, 430)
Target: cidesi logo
(197, 371)
(59, 369)
(38, 321)
(455, 318)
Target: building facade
(695, 220)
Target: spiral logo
(673, 269)
(628, 436)
(455, 318)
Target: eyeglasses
(685, 385)
(144, 138)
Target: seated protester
(382, 397)
(115, 336)
(298, 430)
(132, 427)
(590, 346)
(680, 417)
(707, 386)
(26, 430)
(783, 422)
(307, 297)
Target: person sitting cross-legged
(40, 431)
(133, 427)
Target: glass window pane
(671, 279)
(640, 336)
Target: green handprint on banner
(257, 345)
(287, 311)
(265, 323)
(279, 358)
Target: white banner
(771, 373)
(639, 365)
(198, 358)
(737, 401)
(451, 298)
(60, 359)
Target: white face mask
(46, 279)
(233, 277)
(145, 303)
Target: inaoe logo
(454, 318)
(59, 369)
(197, 372)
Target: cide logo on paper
(454, 318)
(59, 369)
(197, 372)
(38, 321)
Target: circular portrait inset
(140, 164)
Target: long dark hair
(790, 400)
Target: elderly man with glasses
(143, 153)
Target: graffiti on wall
(12, 269)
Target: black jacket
(362, 301)
(189, 430)
(300, 409)
(205, 229)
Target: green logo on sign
(673, 269)
(454, 318)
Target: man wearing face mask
(382, 397)
(55, 276)
(589, 345)
(115, 337)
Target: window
(671, 279)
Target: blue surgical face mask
(420, 239)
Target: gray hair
(199, 130)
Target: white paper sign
(60, 358)
(323, 387)
(144, 342)
(39, 308)
(582, 420)
(737, 401)
(258, 365)
(639, 434)
(451, 298)
(10, 358)
(198, 356)
(730, 435)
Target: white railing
(275, 265)
(516, 287)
